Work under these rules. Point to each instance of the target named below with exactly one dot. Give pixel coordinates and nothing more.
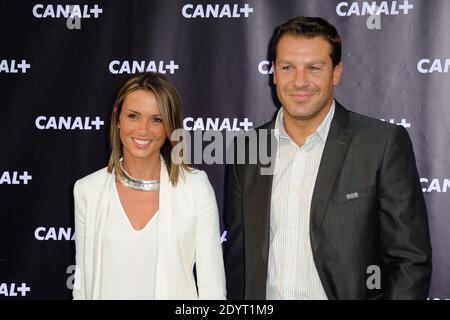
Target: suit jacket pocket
(347, 196)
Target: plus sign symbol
(25, 177)
(246, 10)
(246, 124)
(24, 66)
(406, 6)
(23, 289)
(97, 123)
(96, 11)
(404, 123)
(172, 67)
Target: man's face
(304, 77)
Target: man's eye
(313, 68)
(286, 68)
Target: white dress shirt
(292, 273)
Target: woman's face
(141, 126)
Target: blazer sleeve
(80, 213)
(405, 237)
(209, 257)
(234, 245)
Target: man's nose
(301, 78)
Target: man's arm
(405, 237)
(234, 245)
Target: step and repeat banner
(62, 62)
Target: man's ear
(337, 71)
(274, 75)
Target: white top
(292, 273)
(129, 256)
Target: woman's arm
(80, 213)
(209, 257)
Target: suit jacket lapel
(264, 188)
(334, 152)
(333, 156)
(100, 218)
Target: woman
(143, 222)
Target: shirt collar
(321, 131)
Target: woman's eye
(157, 120)
(132, 116)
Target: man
(343, 215)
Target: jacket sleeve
(234, 245)
(80, 213)
(405, 238)
(209, 257)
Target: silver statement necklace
(137, 184)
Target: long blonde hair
(170, 108)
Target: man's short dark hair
(309, 27)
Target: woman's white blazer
(188, 234)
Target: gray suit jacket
(383, 223)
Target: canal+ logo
(435, 185)
(14, 289)
(373, 8)
(42, 233)
(427, 65)
(66, 11)
(135, 66)
(68, 123)
(15, 177)
(14, 66)
(216, 124)
(217, 11)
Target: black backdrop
(55, 68)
